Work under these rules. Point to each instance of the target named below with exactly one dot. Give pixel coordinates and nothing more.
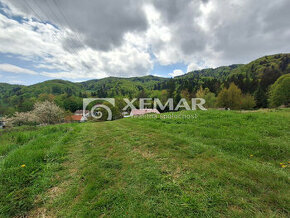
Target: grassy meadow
(214, 164)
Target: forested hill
(262, 72)
(250, 78)
(114, 86)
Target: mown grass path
(220, 164)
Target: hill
(255, 77)
(114, 86)
(262, 72)
(68, 94)
(216, 164)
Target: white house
(138, 112)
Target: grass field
(219, 164)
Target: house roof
(81, 112)
(75, 117)
(136, 112)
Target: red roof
(74, 117)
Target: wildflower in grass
(281, 163)
(283, 166)
(23, 165)
(251, 155)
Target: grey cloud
(99, 24)
(72, 44)
(250, 30)
(180, 17)
(277, 16)
(239, 31)
(172, 10)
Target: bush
(43, 113)
(19, 119)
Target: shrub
(43, 113)
(19, 119)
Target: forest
(240, 86)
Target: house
(76, 118)
(139, 112)
(81, 112)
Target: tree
(46, 97)
(210, 100)
(260, 98)
(222, 98)
(56, 90)
(230, 98)
(48, 112)
(248, 102)
(280, 91)
(209, 97)
(177, 98)
(142, 94)
(103, 114)
(200, 92)
(171, 88)
(186, 94)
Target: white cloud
(15, 69)
(17, 82)
(42, 45)
(193, 67)
(95, 44)
(158, 75)
(176, 72)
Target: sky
(82, 40)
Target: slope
(222, 163)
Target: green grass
(198, 167)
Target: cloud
(99, 24)
(192, 67)
(15, 69)
(94, 39)
(16, 82)
(219, 32)
(176, 72)
(42, 45)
